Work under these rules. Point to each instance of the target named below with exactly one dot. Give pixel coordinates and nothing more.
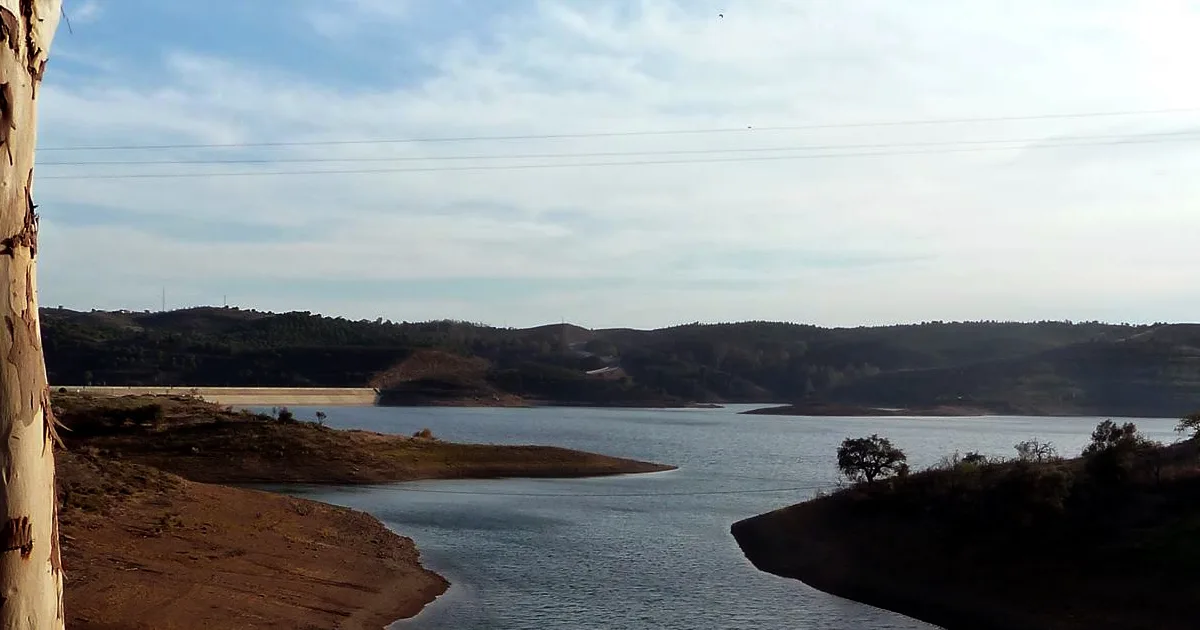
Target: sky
(836, 162)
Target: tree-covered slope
(1031, 367)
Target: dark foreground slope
(1004, 546)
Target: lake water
(645, 551)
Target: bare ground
(149, 543)
(145, 549)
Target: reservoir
(645, 551)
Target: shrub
(130, 418)
(959, 461)
(1151, 457)
(1114, 451)
(870, 458)
(424, 434)
(1036, 451)
(975, 458)
(285, 415)
(1109, 436)
(948, 462)
(150, 414)
(1190, 424)
(1029, 493)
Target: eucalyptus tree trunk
(31, 577)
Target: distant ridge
(1049, 367)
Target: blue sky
(1081, 232)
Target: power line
(525, 156)
(514, 167)
(616, 134)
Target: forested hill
(1043, 367)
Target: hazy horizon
(828, 162)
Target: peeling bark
(6, 121)
(10, 31)
(17, 535)
(31, 576)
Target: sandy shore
(147, 550)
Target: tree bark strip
(31, 577)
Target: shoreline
(852, 410)
(169, 553)
(1010, 545)
(795, 543)
(163, 526)
(941, 411)
(352, 397)
(242, 396)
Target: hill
(435, 377)
(1039, 367)
(1154, 372)
(1102, 542)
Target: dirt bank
(433, 378)
(143, 549)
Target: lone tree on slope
(31, 576)
(870, 458)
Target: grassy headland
(150, 541)
(211, 444)
(1039, 368)
(1104, 542)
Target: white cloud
(338, 19)
(84, 12)
(1053, 232)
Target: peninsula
(1106, 541)
(151, 540)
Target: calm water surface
(644, 551)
